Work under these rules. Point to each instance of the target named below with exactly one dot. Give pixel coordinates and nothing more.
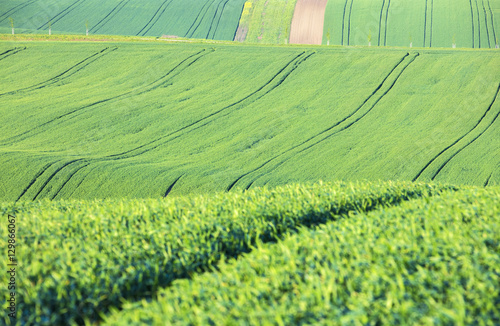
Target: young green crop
(153, 119)
(207, 19)
(430, 261)
(80, 258)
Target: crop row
(81, 258)
(431, 261)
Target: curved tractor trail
(493, 24)
(472, 21)
(349, 28)
(155, 17)
(67, 73)
(218, 20)
(192, 29)
(380, 22)
(62, 14)
(109, 16)
(169, 189)
(10, 52)
(11, 11)
(386, 20)
(478, 23)
(476, 128)
(368, 104)
(429, 21)
(348, 24)
(268, 87)
(486, 24)
(179, 68)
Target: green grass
(153, 119)
(210, 19)
(80, 258)
(270, 21)
(431, 261)
(427, 23)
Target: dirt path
(307, 22)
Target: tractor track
(386, 20)
(432, 23)
(192, 29)
(349, 26)
(11, 11)
(111, 15)
(63, 13)
(486, 24)
(486, 184)
(169, 189)
(343, 22)
(165, 5)
(42, 171)
(67, 73)
(231, 186)
(297, 60)
(459, 139)
(478, 24)
(218, 21)
(380, 21)
(492, 24)
(144, 89)
(10, 52)
(472, 21)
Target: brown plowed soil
(307, 22)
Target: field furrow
(11, 52)
(477, 128)
(61, 14)
(109, 16)
(67, 73)
(157, 15)
(12, 11)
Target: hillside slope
(149, 120)
(426, 23)
(208, 19)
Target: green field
(208, 19)
(405, 252)
(114, 120)
(424, 23)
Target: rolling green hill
(100, 120)
(209, 19)
(424, 23)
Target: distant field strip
(426, 23)
(489, 117)
(213, 19)
(151, 113)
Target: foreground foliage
(431, 261)
(80, 258)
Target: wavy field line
(478, 23)
(111, 15)
(349, 27)
(343, 22)
(156, 143)
(493, 24)
(156, 15)
(218, 21)
(169, 189)
(192, 29)
(179, 68)
(380, 22)
(62, 14)
(432, 23)
(486, 24)
(472, 21)
(15, 9)
(10, 52)
(459, 139)
(67, 73)
(231, 186)
(34, 179)
(386, 22)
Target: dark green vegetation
(431, 261)
(425, 23)
(207, 19)
(100, 120)
(435, 257)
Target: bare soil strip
(307, 22)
